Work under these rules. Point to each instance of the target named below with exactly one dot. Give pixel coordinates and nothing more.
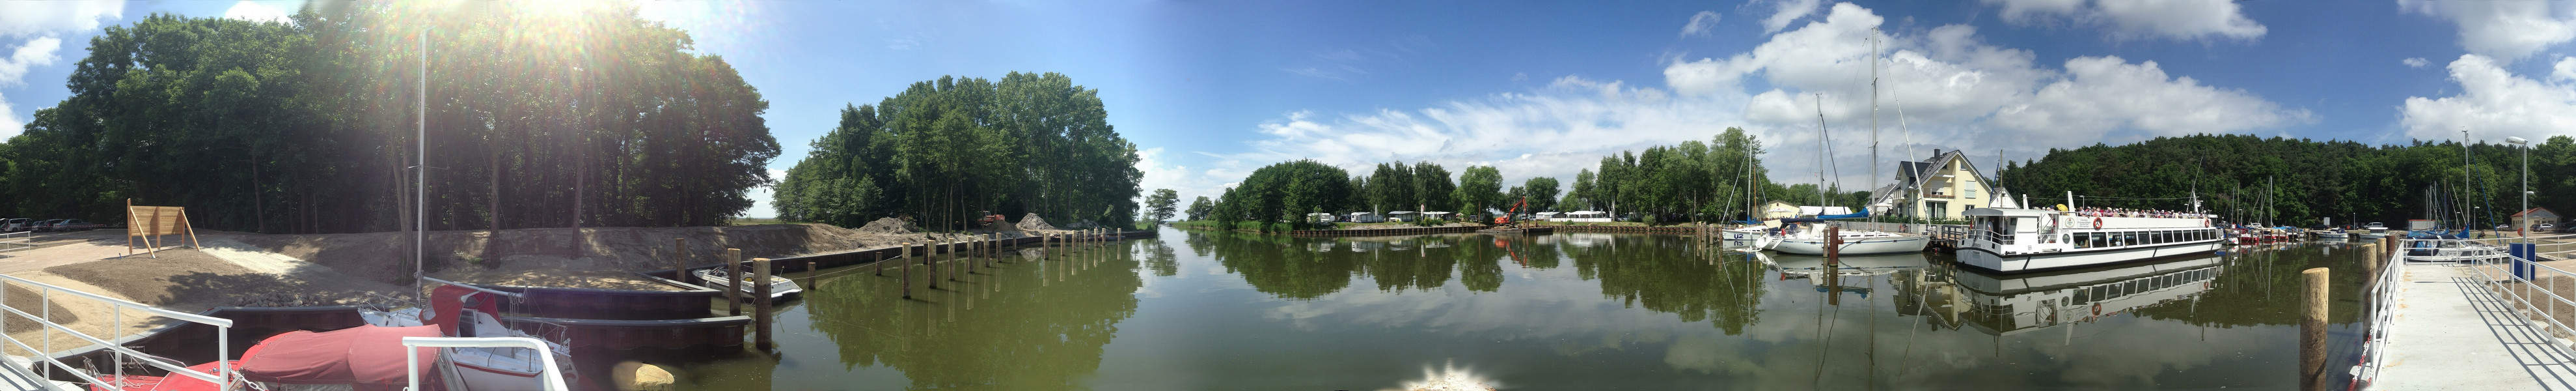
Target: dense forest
(549, 117)
(945, 151)
(2308, 180)
(1691, 181)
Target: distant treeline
(1691, 181)
(945, 150)
(2348, 181)
(587, 116)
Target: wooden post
(933, 262)
(809, 276)
(2312, 331)
(733, 281)
(680, 257)
(907, 270)
(760, 296)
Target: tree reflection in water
(1002, 330)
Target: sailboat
(1812, 238)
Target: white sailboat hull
(1854, 245)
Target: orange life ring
(2097, 309)
(2097, 223)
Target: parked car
(75, 225)
(2571, 228)
(15, 225)
(2504, 227)
(47, 225)
(2544, 227)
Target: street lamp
(2526, 185)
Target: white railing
(1889, 227)
(223, 375)
(545, 357)
(14, 241)
(2380, 314)
(2544, 278)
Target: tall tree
(1160, 206)
(1479, 188)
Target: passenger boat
(779, 287)
(2013, 240)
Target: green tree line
(601, 118)
(1691, 181)
(2309, 180)
(944, 151)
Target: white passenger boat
(1811, 241)
(2013, 240)
(779, 287)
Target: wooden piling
(680, 259)
(933, 260)
(2312, 331)
(733, 281)
(907, 270)
(760, 295)
(809, 276)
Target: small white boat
(779, 287)
(2376, 231)
(1746, 233)
(1811, 241)
(2333, 234)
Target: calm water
(1200, 310)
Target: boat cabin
(2026, 231)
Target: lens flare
(1449, 377)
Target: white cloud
(1784, 12)
(2105, 94)
(1956, 92)
(35, 53)
(2505, 30)
(2493, 101)
(2134, 19)
(256, 12)
(23, 18)
(2564, 70)
(10, 125)
(1700, 24)
(2415, 62)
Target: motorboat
(779, 287)
(2374, 231)
(460, 311)
(2335, 234)
(2014, 240)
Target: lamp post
(2526, 185)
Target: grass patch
(752, 221)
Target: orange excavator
(1505, 220)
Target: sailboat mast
(1821, 135)
(420, 192)
(1873, 116)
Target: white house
(1944, 187)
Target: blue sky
(1212, 90)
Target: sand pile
(1032, 222)
(887, 226)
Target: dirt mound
(1032, 222)
(193, 278)
(28, 300)
(887, 226)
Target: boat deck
(2452, 333)
(14, 376)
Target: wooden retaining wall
(615, 304)
(863, 257)
(709, 334)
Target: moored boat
(1811, 241)
(2013, 240)
(779, 287)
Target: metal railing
(2538, 298)
(1891, 227)
(14, 241)
(223, 375)
(2380, 313)
(553, 380)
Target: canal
(1197, 310)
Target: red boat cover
(446, 301)
(365, 355)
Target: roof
(1888, 193)
(2532, 210)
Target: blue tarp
(1864, 213)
